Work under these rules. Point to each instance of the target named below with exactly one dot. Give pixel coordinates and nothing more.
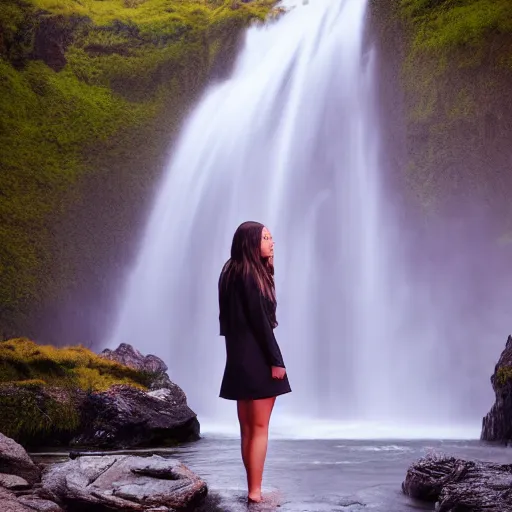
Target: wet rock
(124, 483)
(125, 417)
(457, 485)
(14, 460)
(497, 424)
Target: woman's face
(267, 244)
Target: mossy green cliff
(457, 79)
(91, 95)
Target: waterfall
(291, 140)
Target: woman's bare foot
(254, 497)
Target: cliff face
(92, 94)
(450, 65)
(497, 424)
(458, 82)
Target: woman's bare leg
(260, 411)
(244, 418)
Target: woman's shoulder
(249, 282)
(234, 282)
(238, 281)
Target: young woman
(255, 372)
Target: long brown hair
(246, 259)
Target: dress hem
(263, 397)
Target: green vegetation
(26, 364)
(89, 89)
(28, 416)
(458, 64)
(157, 17)
(450, 24)
(40, 387)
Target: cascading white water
(290, 140)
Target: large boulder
(125, 483)
(126, 417)
(457, 485)
(14, 460)
(497, 424)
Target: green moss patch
(25, 364)
(449, 24)
(29, 415)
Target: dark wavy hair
(246, 259)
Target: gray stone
(124, 483)
(152, 365)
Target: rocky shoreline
(123, 417)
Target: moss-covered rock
(42, 388)
(71, 396)
(26, 364)
(91, 93)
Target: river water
(316, 475)
(324, 475)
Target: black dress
(251, 347)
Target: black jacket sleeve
(260, 322)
